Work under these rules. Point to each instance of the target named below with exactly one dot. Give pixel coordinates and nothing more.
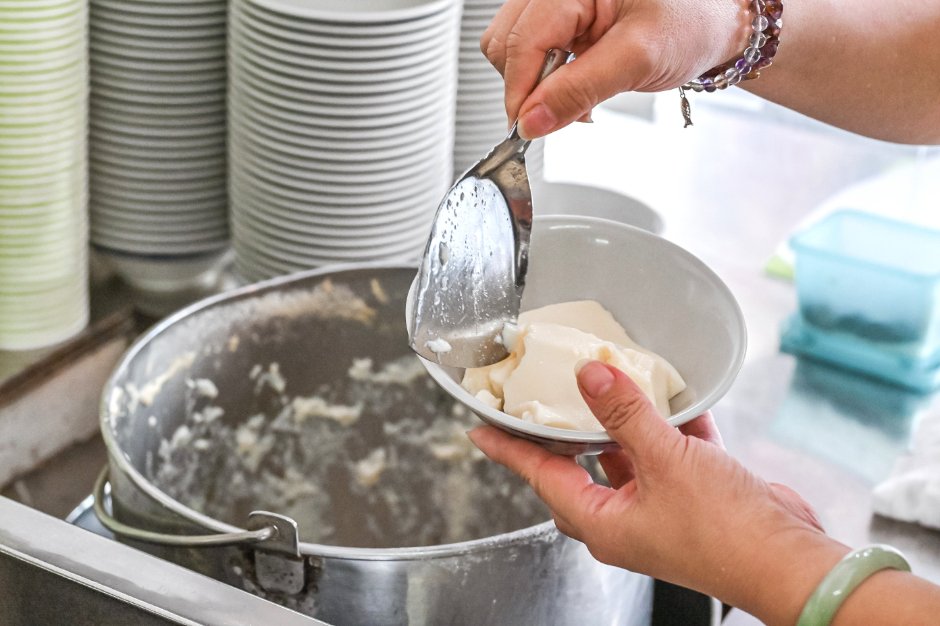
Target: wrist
(785, 573)
(736, 32)
(763, 32)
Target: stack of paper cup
(341, 118)
(43, 169)
(481, 113)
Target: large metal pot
(260, 399)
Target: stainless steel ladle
(473, 273)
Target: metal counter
(55, 573)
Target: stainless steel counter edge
(121, 575)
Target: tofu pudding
(537, 382)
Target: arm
(891, 597)
(682, 510)
(872, 67)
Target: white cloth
(912, 492)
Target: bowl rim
(598, 441)
(612, 195)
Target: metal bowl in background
(262, 399)
(667, 300)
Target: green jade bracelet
(844, 578)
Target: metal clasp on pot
(279, 567)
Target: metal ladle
(473, 272)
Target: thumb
(573, 90)
(624, 411)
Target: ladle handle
(554, 59)
(187, 541)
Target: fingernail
(586, 118)
(580, 364)
(538, 121)
(595, 379)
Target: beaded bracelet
(761, 49)
(844, 578)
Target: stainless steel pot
(262, 398)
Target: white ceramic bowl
(359, 194)
(332, 155)
(37, 9)
(410, 166)
(247, 80)
(342, 59)
(300, 76)
(666, 298)
(151, 175)
(207, 233)
(47, 43)
(336, 35)
(257, 264)
(69, 20)
(333, 126)
(291, 236)
(106, 24)
(142, 85)
(159, 66)
(262, 35)
(24, 200)
(296, 104)
(160, 11)
(413, 244)
(317, 138)
(43, 93)
(165, 249)
(45, 304)
(322, 212)
(340, 228)
(181, 215)
(213, 99)
(569, 199)
(116, 185)
(135, 44)
(163, 274)
(248, 245)
(382, 83)
(159, 198)
(369, 16)
(105, 106)
(160, 163)
(210, 77)
(189, 131)
(101, 47)
(120, 151)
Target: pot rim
(119, 462)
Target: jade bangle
(844, 578)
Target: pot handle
(263, 534)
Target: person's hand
(679, 508)
(621, 45)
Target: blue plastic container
(869, 297)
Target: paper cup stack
(341, 118)
(158, 135)
(481, 113)
(43, 168)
